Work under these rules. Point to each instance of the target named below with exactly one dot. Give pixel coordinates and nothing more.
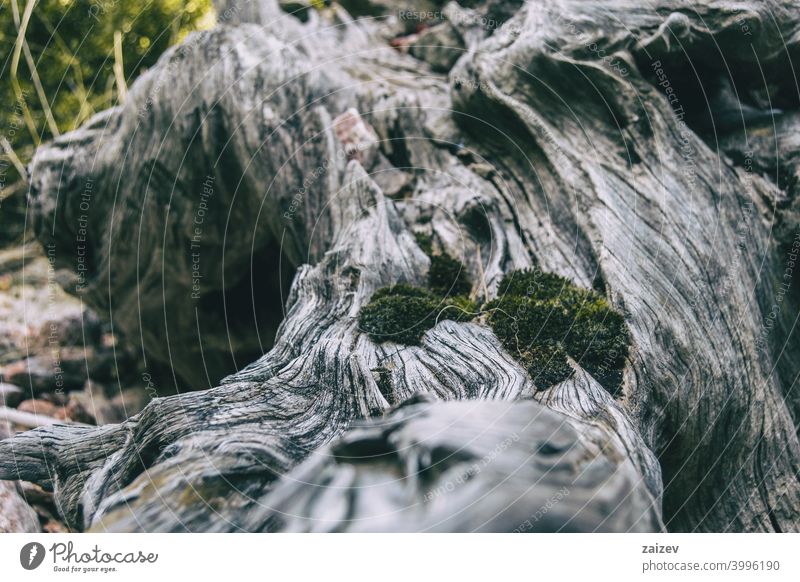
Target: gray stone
(10, 395)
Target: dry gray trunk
(548, 143)
(16, 516)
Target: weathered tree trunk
(16, 516)
(555, 140)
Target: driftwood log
(16, 516)
(272, 173)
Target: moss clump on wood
(539, 317)
(547, 364)
(400, 314)
(542, 318)
(404, 290)
(537, 284)
(460, 308)
(447, 276)
(403, 313)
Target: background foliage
(65, 70)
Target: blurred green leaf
(72, 45)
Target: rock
(16, 516)
(81, 330)
(55, 526)
(43, 503)
(36, 495)
(129, 402)
(75, 410)
(358, 138)
(10, 395)
(41, 408)
(91, 404)
(33, 373)
(98, 405)
(61, 370)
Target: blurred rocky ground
(58, 363)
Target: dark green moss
(403, 313)
(404, 290)
(547, 364)
(599, 343)
(399, 318)
(539, 317)
(425, 242)
(448, 276)
(537, 284)
(542, 318)
(460, 308)
(521, 322)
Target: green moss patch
(403, 313)
(541, 318)
(448, 276)
(547, 364)
(400, 314)
(403, 290)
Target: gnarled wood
(550, 142)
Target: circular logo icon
(31, 555)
